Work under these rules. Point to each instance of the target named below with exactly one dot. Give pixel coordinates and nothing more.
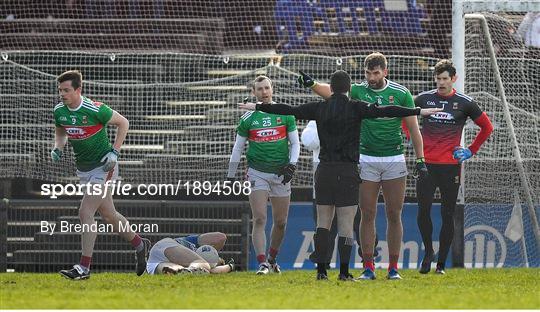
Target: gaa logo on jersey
(266, 133)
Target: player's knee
(393, 217)
(281, 224)
(86, 216)
(447, 216)
(368, 215)
(259, 221)
(221, 238)
(108, 218)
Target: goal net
(177, 71)
(495, 192)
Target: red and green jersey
(267, 135)
(382, 136)
(86, 127)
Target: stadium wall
(485, 244)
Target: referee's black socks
(321, 239)
(344, 249)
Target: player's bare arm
(418, 144)
(60, 140)
(122, 125)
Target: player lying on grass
(189, 254)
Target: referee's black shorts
(337, 184)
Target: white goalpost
(513, 152)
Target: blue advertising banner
(486, 244)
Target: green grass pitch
(459, 288)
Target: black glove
(231, 264)
(420, 169)
(287, 172)
(305, 80)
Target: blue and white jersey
(191, 241)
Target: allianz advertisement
(495, 236)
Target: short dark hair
(74, 76)
(445, 65)
(259, 79)
(340, 81)
(375, 59)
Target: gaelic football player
(382, 162)
(444, 155)
(83, 122)
(272, 154)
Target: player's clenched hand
(420, 169)
(430, 111)
(306, 80)
(462, 154)
(56, 154)
(110, 160)
(247, 106)
(287, 172)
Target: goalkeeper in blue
(442, 134)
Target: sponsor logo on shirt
(82, 132)
(443, 116)
(268, 134)
(255, 123)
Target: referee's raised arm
(374, 111)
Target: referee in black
(337, 178)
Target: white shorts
(97, 175)
(270, 182)
(377, 169)
(157, 254)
